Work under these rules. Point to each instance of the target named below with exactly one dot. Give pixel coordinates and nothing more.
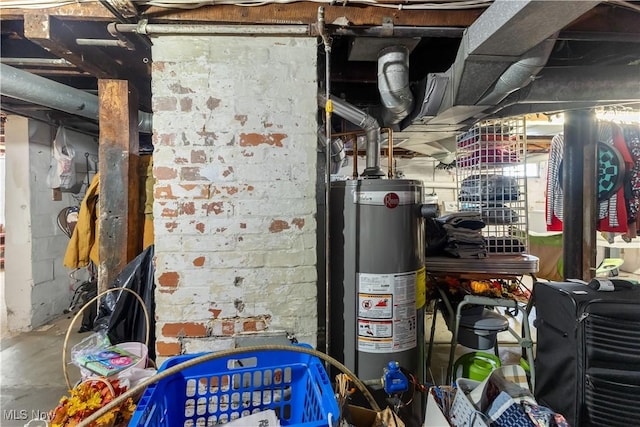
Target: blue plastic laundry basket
(295, 385)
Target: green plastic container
(476, 365)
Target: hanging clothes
(612, 214)
(618, 180)
(554, 196)
(83, 245)
(632, 138)
(147, 182)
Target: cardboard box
(363, 417)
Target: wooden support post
(120, 227)
(579, 183)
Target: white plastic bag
(62, 172)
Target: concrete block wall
(51, 291)
(37, 286)
(235, 121)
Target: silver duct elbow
(363, 120)
(393, 84)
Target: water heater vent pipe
(366, 122)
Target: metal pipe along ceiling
(28, 87)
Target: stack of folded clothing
(464, 239)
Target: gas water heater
(377, 269)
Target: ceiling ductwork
(501, 54)
(28, 87)
(393, 84)
(520, 73)
(569, 88)
(502, 36)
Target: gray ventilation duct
(520, 73)
(495, 60)
(34, 89)
(364, 121)
(393, 84)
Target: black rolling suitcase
(588, 353)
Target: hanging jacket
(83, 246)
(554, 194)
(612, 213)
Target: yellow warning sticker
(421, 288)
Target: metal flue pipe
(27, 87)
(364, 121)
(393, 84)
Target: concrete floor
(32, 379)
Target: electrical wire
(225, 353)
(194, 4)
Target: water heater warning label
(387, 312)
(373, 329)
(375, 306)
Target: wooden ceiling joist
(85, 11)
(55, 37)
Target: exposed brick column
(234, 162)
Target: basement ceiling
(458, 52)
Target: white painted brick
(174, 49)
(227, 310)
(283, 208)
(266, 154)
(232, 278)
(168, 243)
(286, 258)
(269, 172)
(206, 244)
(237, 259)
(163, 155)
(169, 313)
(289, 308)
(309, 241)
(218, 173)
(187, 228)
(249, 76)
(225, 226)
(291, 189)
(294, 290)
(176, 262)
(265, 242)
(195, 311)
(202, 345)
(159, 208)
(300, 326)
(182, 296)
